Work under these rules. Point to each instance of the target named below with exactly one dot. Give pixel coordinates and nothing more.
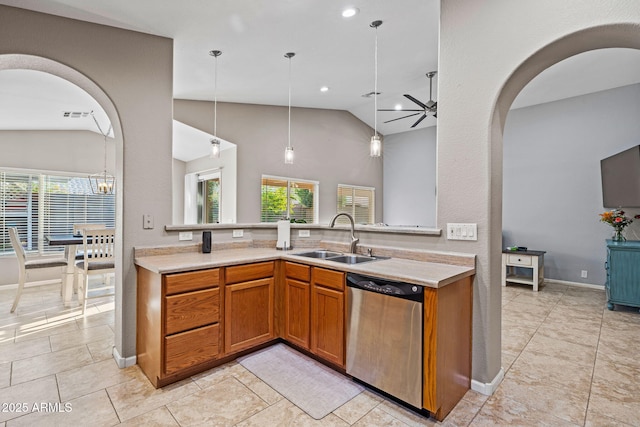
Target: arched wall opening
(37, 63)
(599, 37)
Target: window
(40, 204)
(289, 198)
(357, 201)
(209, 198)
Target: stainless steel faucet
(354, 239)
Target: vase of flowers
(618, 221)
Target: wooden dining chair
(98, 259)
(25, 264)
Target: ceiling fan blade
(399, 110)
(410, 115)
(416, 101)
(419, 120)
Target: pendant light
(375, 147)
(288, 152)
(215, 142)
(102, 182)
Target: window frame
(352, 211)
(289, 180)
(44, 211)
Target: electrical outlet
(583, 274)
(462, 231)
(304, 233)
(185, 235)
(238, 233)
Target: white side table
(530, 260)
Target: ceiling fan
(430, 107)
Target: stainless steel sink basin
(319, 254)
(354, 259)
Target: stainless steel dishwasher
(384, 336)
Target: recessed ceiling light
(349, 12)
(398, 107)
(324, 89)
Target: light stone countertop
(428, 274)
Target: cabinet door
(248, 314)
(297, 304)
(327, 324)
(624, 277)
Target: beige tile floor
(568, 362)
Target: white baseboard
(488, 388)
(123, 362)
(576, 284)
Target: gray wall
(552, 193)
(330, 146)
(410, 178)
(131, 75)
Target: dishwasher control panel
(382, 286)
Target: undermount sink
(339, 257)
(353, 259)
(319, 254)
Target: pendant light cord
(289, 125)
(215, 98)
(105, 139)
(375, 87)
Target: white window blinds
(41, 204)
(288, 198)
(357, 201)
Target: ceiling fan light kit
(375, 145)
(430, 107)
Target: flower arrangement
(618, 221)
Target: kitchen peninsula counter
(428, 274)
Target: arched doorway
(36, 63)
(481, 72)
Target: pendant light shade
(288, 152)
(215, 142)
(375, 146)
(102, 182)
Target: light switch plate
(147, 221)
(238, 233)
(304, 233)
(459, 231)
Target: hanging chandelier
(215, 142)
(102, 182)
(375, 146)
(288, 152)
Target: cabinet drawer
(191, 281)
(190, 348)
(191, 310)
(297, 271)
(245, 273)
(519, 260)
(328, 278)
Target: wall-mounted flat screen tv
(621, 179)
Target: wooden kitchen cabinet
(297, 304)
(178, 317)
(447, 346)
(249, 306)
(328, 315)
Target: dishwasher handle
(402, 290)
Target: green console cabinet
(623, 273)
